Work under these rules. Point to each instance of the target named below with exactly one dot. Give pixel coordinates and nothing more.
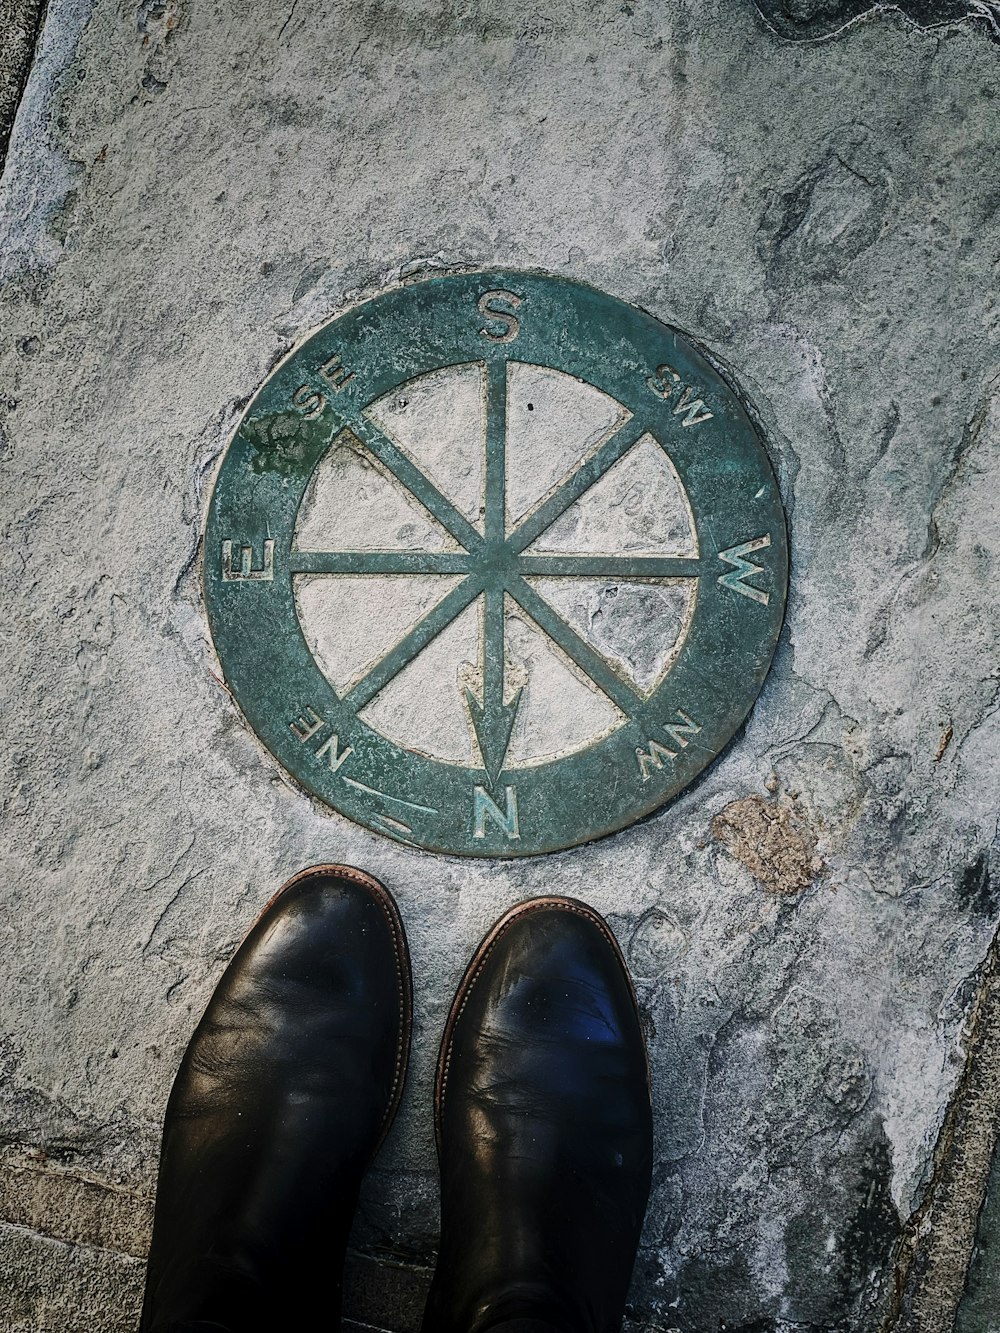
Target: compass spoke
(496, 450)
(380, 562)
(590, 662)
(416, 482)
(439, 618)
(611, 567)
(589, 472)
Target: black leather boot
(544, 1130)
(288, 1087)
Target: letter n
(680, 731)
(486, 808)
(329, 749)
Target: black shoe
(288, 1087)
(544, 1130)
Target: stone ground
(810, 190)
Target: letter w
(694, 407)
(734, 580)
(653, 757)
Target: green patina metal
(665, 739)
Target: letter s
(508, 323)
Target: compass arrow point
(493, 727)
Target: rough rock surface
(19, 21)
(813, 20)
(188, 190)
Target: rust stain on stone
(944, 742)
(772, 839)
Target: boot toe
(288, 1085)
(544, 1128)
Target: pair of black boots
(292, 1079)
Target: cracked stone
(805, 20)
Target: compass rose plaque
(495, 563)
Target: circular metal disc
(495, 563)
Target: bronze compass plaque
(495, 563)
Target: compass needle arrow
(492, 719)
(493, 727)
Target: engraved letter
(509, 324)
(653, 757)
(335, 373)
(330, 748)
(744, 569)
(304, 727)
(664, 383)
(485, 807)
(309, 401)
(246, 572)
(695, 408)
(680, 731)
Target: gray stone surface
(54, 1287)
(19, 21)
(188, 190)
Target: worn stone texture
(979, 1311)
(54, 1287)
(188, 190)
(942, 1255)
(814, 20)
(19, 20)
